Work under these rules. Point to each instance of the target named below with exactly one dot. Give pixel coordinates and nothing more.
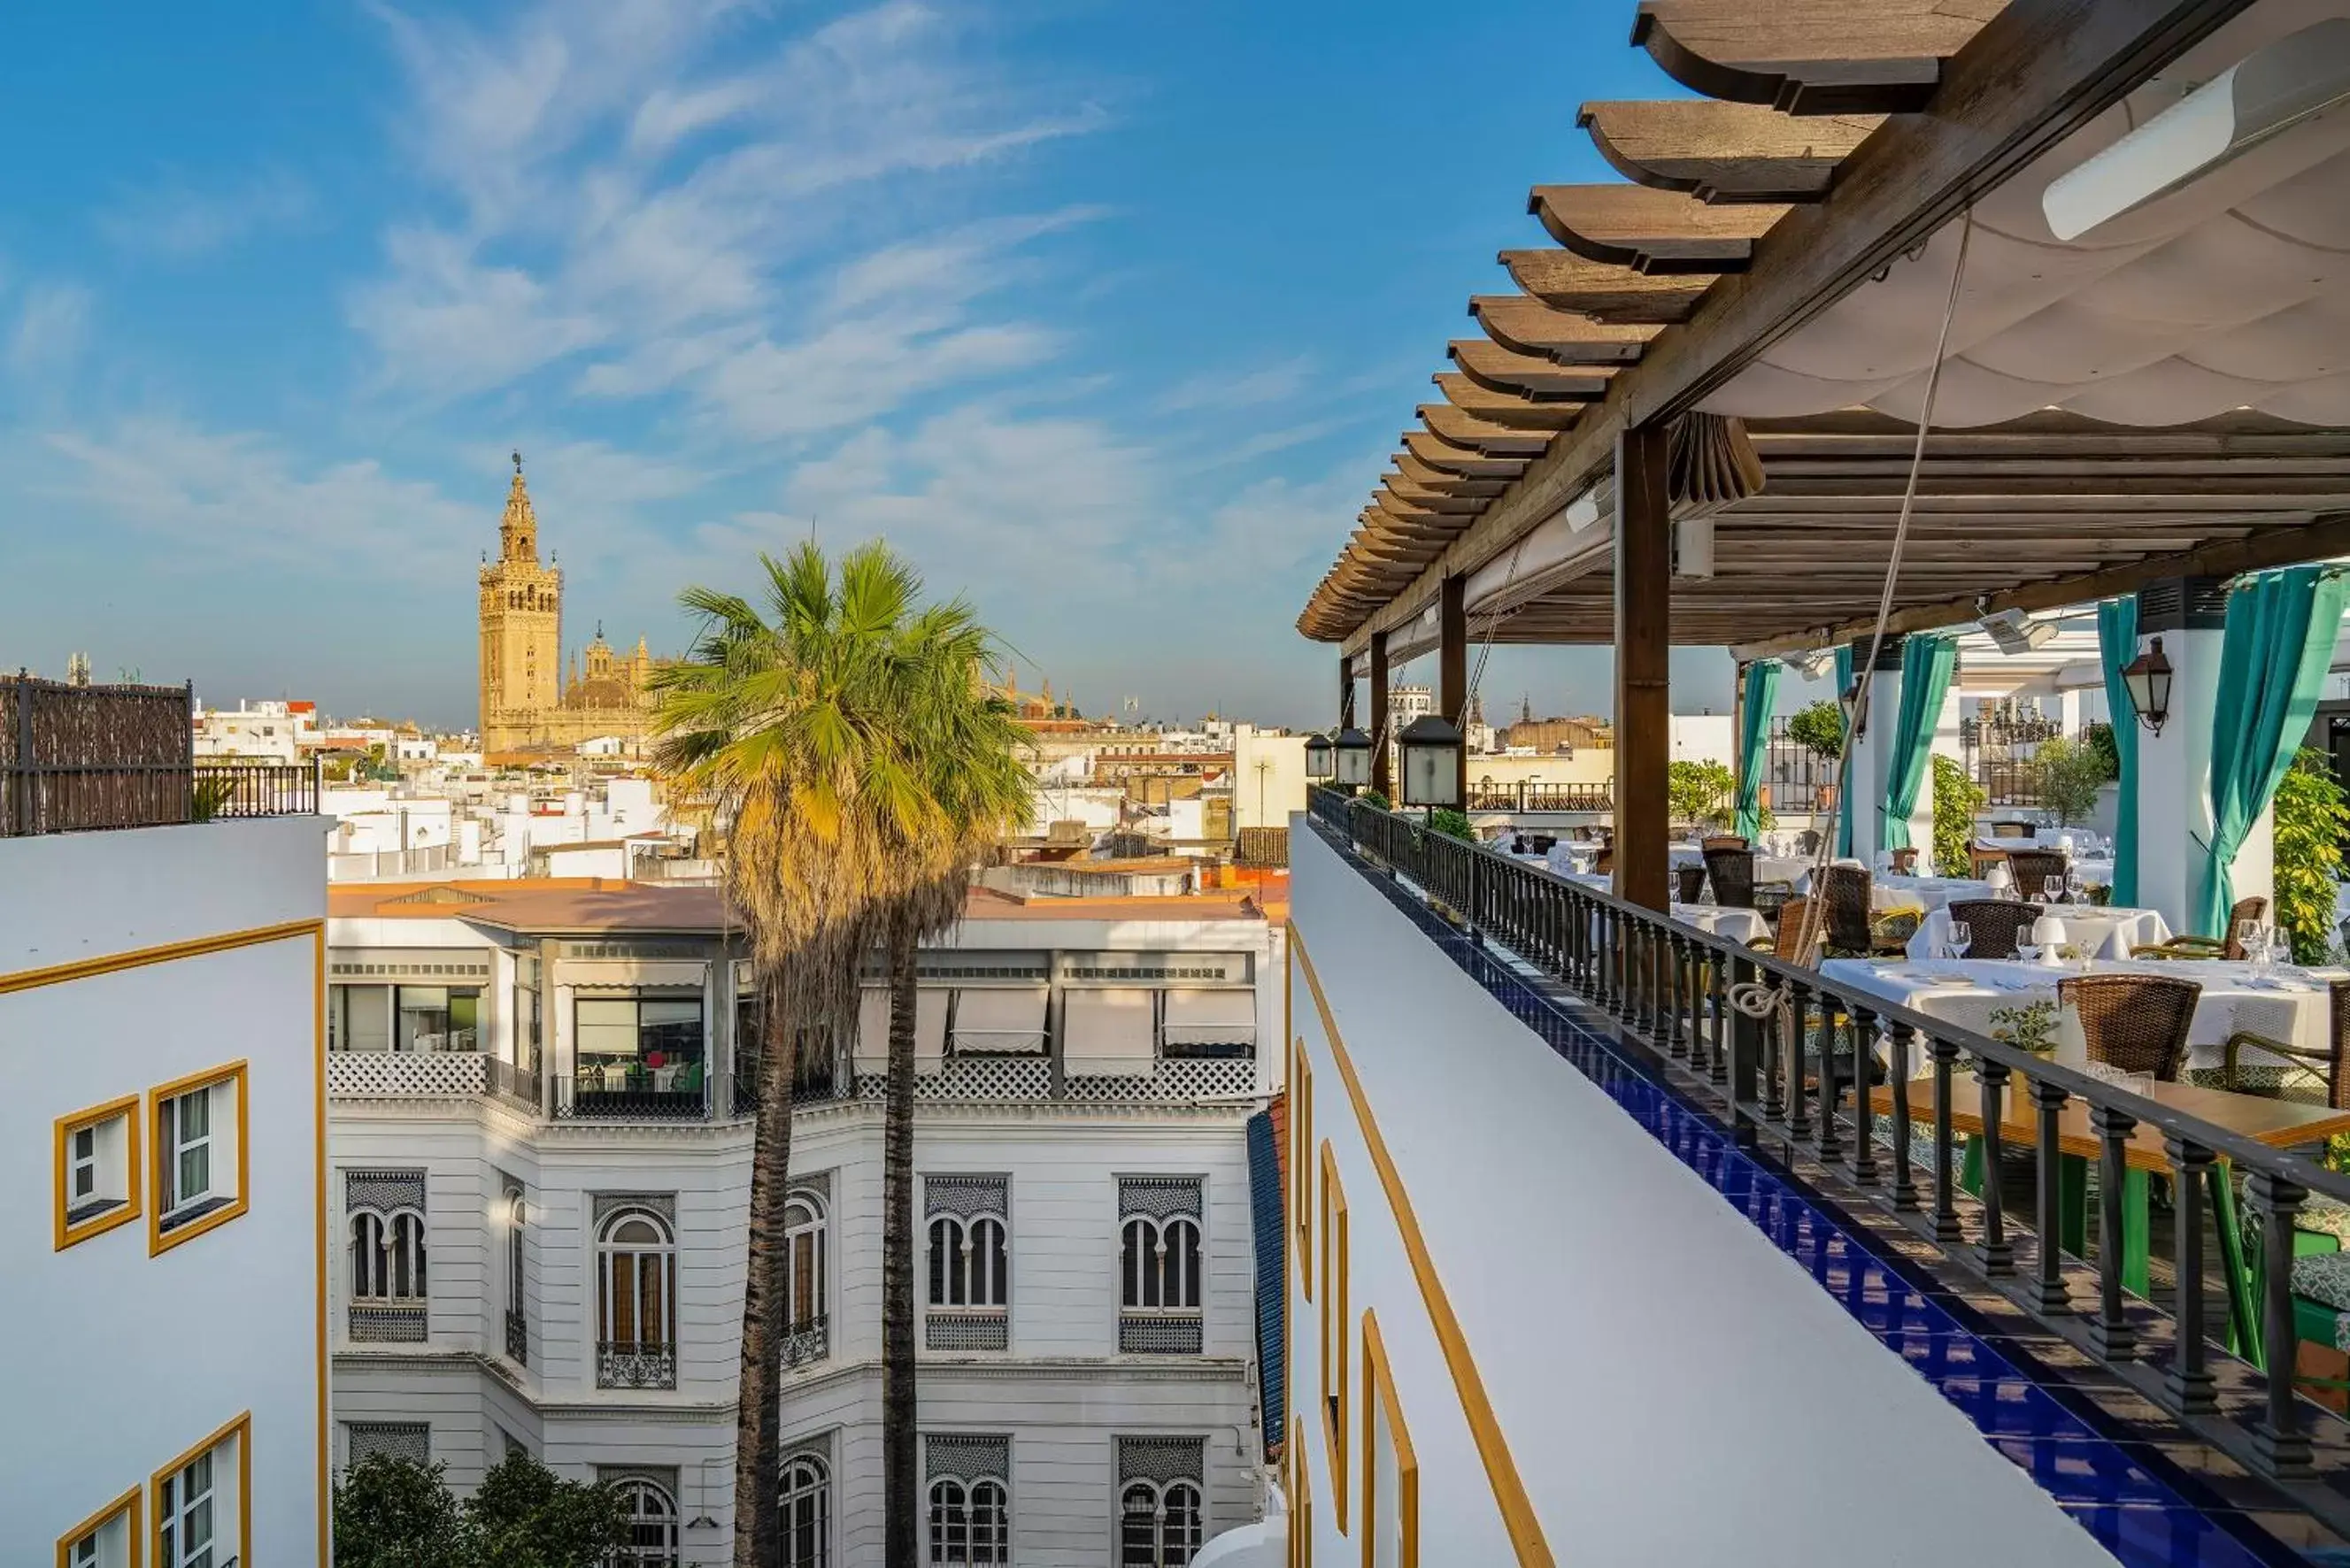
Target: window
(652, 1512)
(638, 1046)
(198, 1498)
(388, 1256)
(1390, 1467)
(1301, 1500)
(1158, 1527)
(1300, 1165)
(806, 1509)
(107, 1539)
(1159, 1264)
(636, 1306)
(517, 1308)
(804, 1260)
(358, 1018)
(970, 1524)
(968, 1267)
(438, 1017)
(525, 1014)
(199, 1171)
(97, 1150)
(1334, 1330)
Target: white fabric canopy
(1211, 1017)
(1110, 1027)
(873, 1026)
(1009, 1018)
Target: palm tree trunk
(900, 1483)
(758, 1414)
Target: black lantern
(2147, 677)
(1431, 762)
(1351, 754)
(1855, 717)
(1319, 760)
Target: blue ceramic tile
(2162, 1537)
(2085, 1472)
(2012, 1408)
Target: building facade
(529, 702)
(158, 995)
(541, 1167)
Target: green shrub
(1451, 824)
(1956, 798)
(2099, 738)
(2311, 814)
(1818, 729)
(1700, 792)
(2070, 775)
(1373, 797)
(397, 1513)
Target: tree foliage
(1451, 824)
(1956, 798)
(1700, 792)
(2312, 814)
(2099, 738)
(1818, 728)
(2070, 775)
(396, 1513)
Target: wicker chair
(1847, 891)
(1787, 936)
(2135, 1021)
(1689, 883)
(2316, 1077)
(1807, 843)
(1994, 925)
(1905, 862)
(1721, 841)
(2011, 830)
(1770, 897)
(2032, 868)
(1981, 860)
(2226, 946)
(1732, 871)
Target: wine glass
(2076, 886)
(2252, 938)
(2052, 889)
(1957, 939)
(2026, 948)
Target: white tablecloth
(2107, 933)
(2292, 1004)
(1738, 924)
(1927, 893)
(1786, 868)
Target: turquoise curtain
(1927, 666)
(2274, 658)
(1844, 796)
(2117, 641)
(1754, 743)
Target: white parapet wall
(1568, 1334)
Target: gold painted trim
(160, 1241)
(1335, 1273)
(131, 1502)
(67, 1233)
(241, 1427)
(318, 1069)
(1301, 1160)
(139, 958)
(1300, 1513)
(1379, 1394)
(1501, 1470)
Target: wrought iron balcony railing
(807, 1341)
(1668, 985)
(517, 1337)
(388, 1321)
(966, 1328)
(1598, 796)
(636, 1364)
(592, 1095)
(1141, 1333)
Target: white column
(1944, 745)
(2068, 709)
(2174, 768)
(1872, 755)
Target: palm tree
(800, 726)
(968, 758)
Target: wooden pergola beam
(1534, 377)
(1524, 324)
(1718, 151)
(1811, 56)
(1651, 231)
(1457, 427)
(1451, 459)
(1508, 408)
(1602, 291)
(1429, 477)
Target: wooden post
(1379, 736)
(1644, 563)
(1345, 691)
(1452, 673)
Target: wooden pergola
(1721, 356)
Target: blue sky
(1106, 314)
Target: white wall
(128, 1358)
(1268, 776)
(1669, 1387)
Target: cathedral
(529, 702)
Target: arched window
(388, 1255)
(516, 1213)
(969, 1267)
(651, 1540)
(1158, 1527)
(970, 1525)
(636, 1267)
(806, 1509)
(804, 1260)
(1159, 1265)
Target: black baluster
(2048, 1294)
(1831, 1135)
(1799, 1099)
(1702, 973)
(1773, 1027)
(1863, 1113)
(2188, 1381)
(2278, 1437)
(1675, 948)
(2111, 1334)
(1905, 1187)
(1997, 1256)
(1945, 1176)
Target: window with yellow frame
(98, 1173)
(1300, 1165)
(1391, 1525)
(110, 1538)
(1334, 1407)
(1301, 1498)
(203, 1500)
(199, 1171)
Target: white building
(262, 731)
(544, 1091)
(1268, 776)
(159, 994)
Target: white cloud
(1279, 383)
(176, 219)
(52, 323)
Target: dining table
(1738, 925)
(2105, 931)
(1925, 894)
(2278, 1124)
